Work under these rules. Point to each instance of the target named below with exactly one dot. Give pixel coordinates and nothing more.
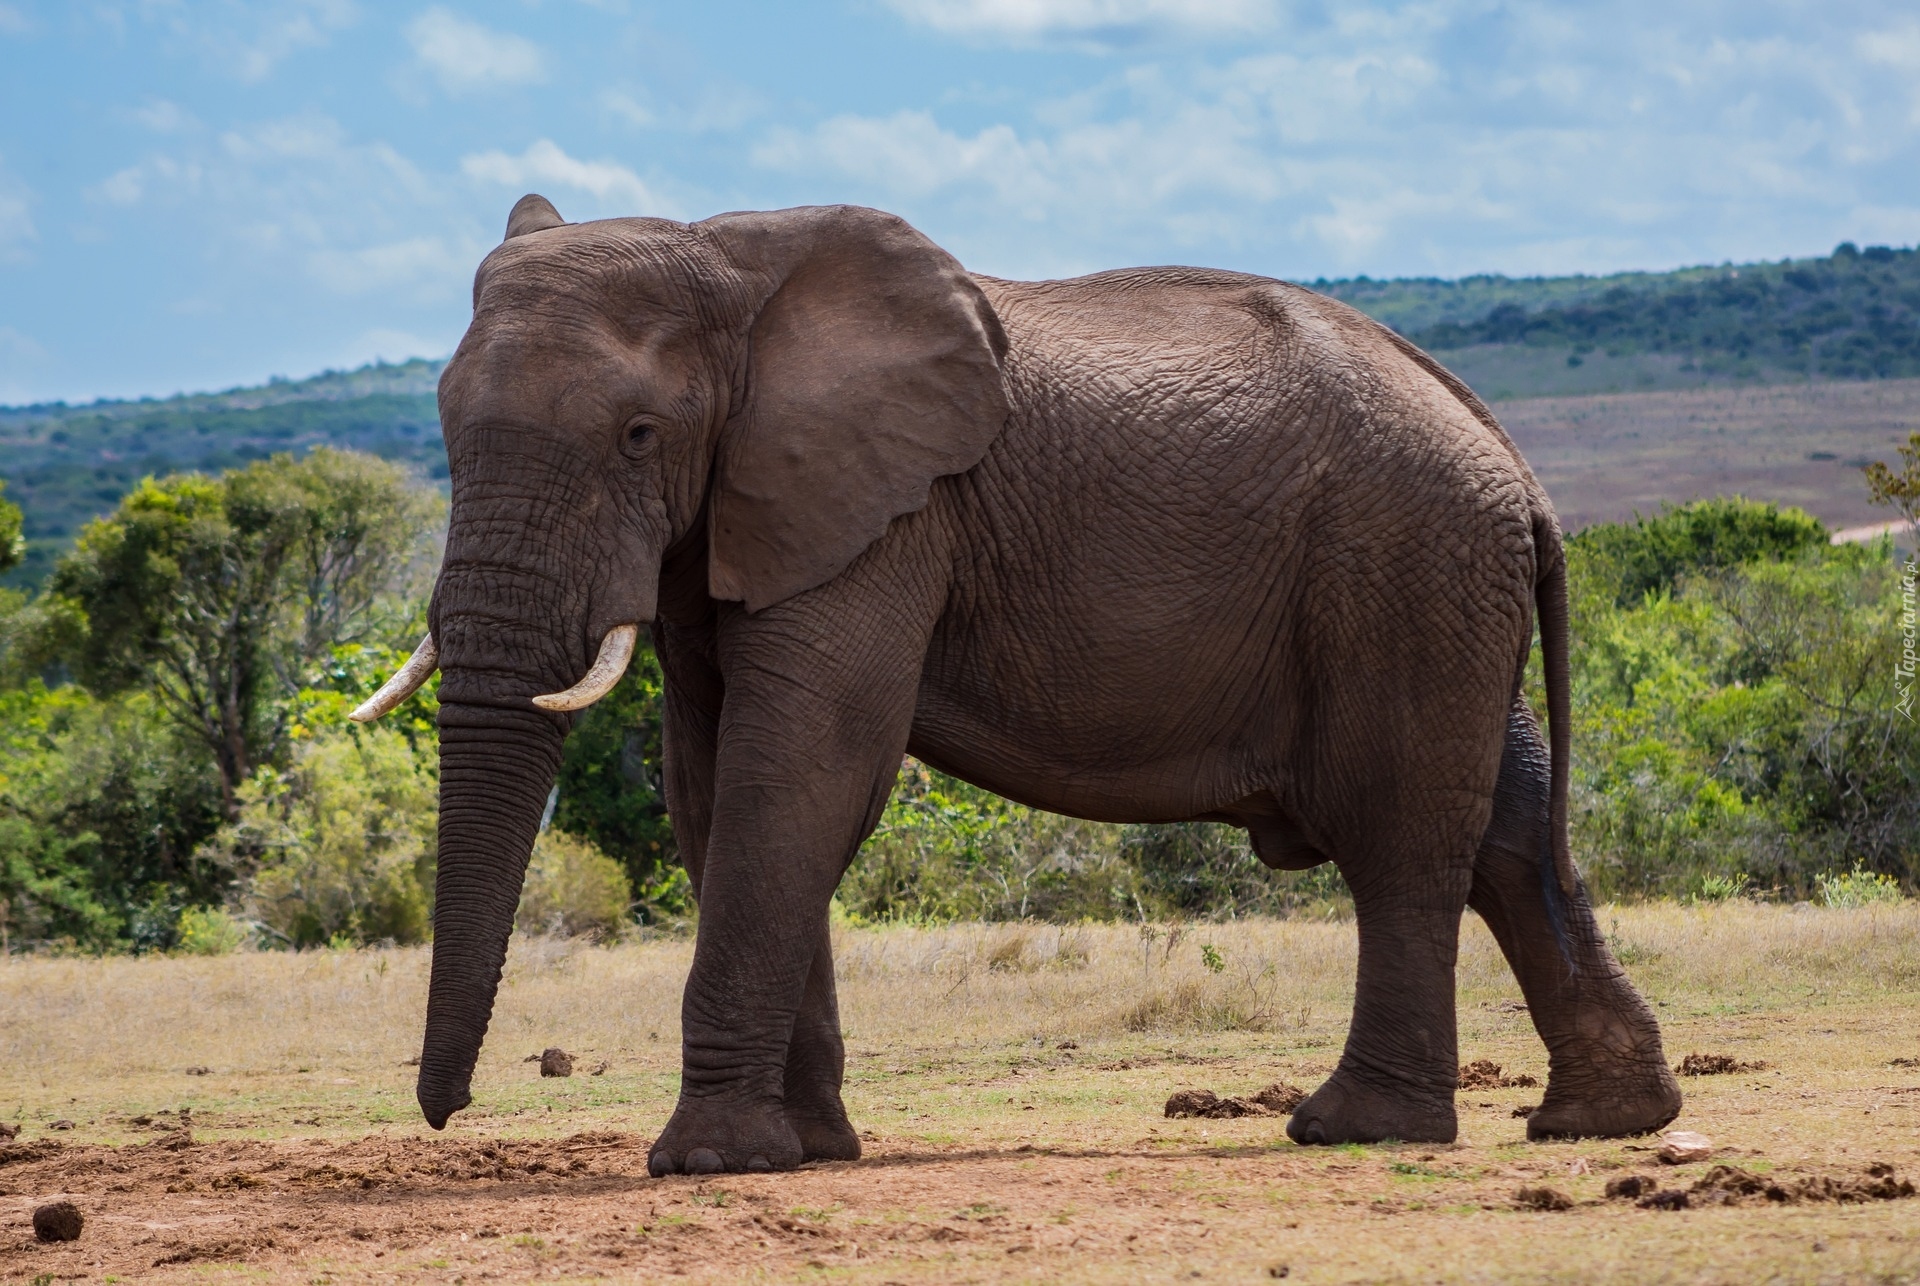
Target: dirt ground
(1012, 1117)
(1604, 457)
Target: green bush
(1648, 555)
(573, 889)
(1206, 870)
(210, 931)
(102, 805)
(340, 845)
(1859, 888)
(946, 850)
(610, 788)
(1741, 723)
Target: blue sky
(200, 193)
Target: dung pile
(1274, 1100)
(1485, 1074)
(1717, 1065)
(1729, 1185)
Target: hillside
(1852, 315)
(1580, 341)
(1604, 457)
(66, 464)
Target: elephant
(1150, 545)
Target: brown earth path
(1604, 456)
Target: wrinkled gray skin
(1145, 546)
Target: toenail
(759, 1163)
(659, 1165)
(704, 1161)
(1315, 1135)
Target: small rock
(1068, 1044)
(199, 1070)
(556, 1062)
(1542, 1198)
(59, 1125)
(58, 1221)
(1678, 1147)
(8, 1133)
(1579, 1166)
(1670, 1199)
(600, 1069)
(1629, 1187)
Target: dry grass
(1602, 457)
(1008, 1080)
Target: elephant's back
(1190, 374)
(1215, 497)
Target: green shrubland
(177, 772)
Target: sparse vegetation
(573, 889)
(1010, 1115)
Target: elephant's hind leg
(1608, 1074)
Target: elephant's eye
(639, 435)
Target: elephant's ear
(873, 368)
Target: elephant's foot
(713, 1136)
(1630, 1101)
(825, 1136)
(1347, 1110)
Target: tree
(222, 596)
(13, 541)
(1900, 490)
(610, 787)
(1650, 554)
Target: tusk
(405, 682)
(615, 651)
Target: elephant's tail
(1550, 595)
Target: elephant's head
(771, 389)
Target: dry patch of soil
(1602, 457)
(1015, 1125)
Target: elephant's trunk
(496, 768)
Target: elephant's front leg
(816, 1069)
(810, 739)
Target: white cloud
(16, 218)
(163, 117)
(406, 264)
(616, 190)
(1033, 19)
(13, 22)
(466, 56)
(1894, 47)
(627, 108)
(1415, 136)
(300, 195)
(285, 27)
(22, 358)
(124, 187)
(387, 345)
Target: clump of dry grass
(1202, 1005)
(124, 1020)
